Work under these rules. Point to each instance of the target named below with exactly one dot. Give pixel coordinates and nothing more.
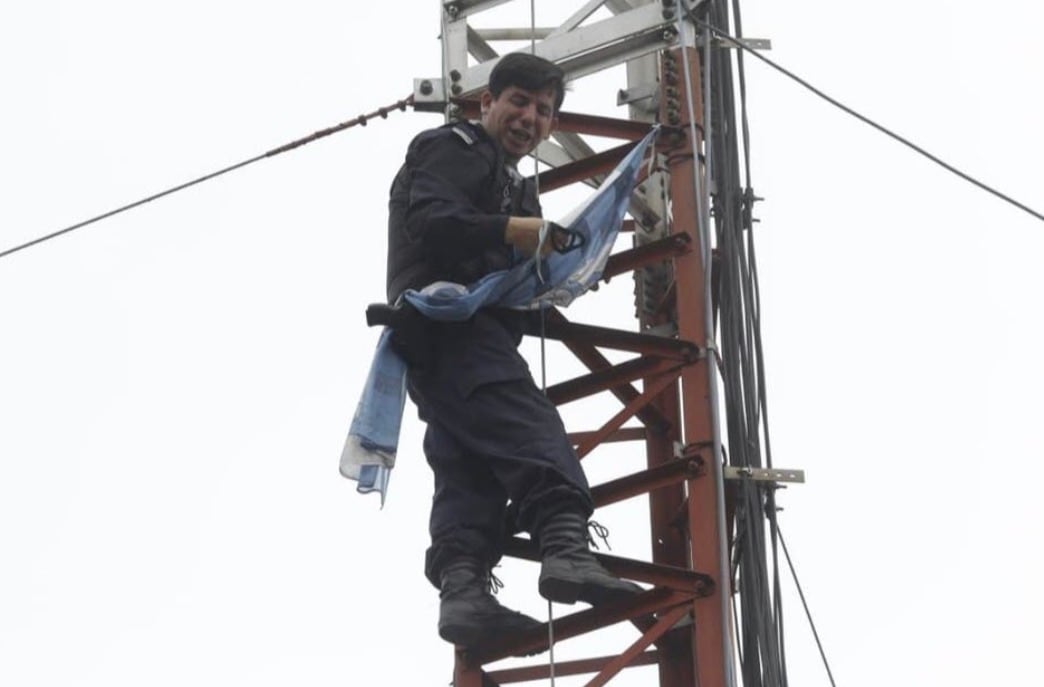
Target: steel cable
(804, 603)
(724, 35)
(322, 133)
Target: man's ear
(554, 126)
(485, 100)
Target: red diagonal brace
(666, 622)
(590, 384)
(653, 388)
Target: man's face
(519, 119)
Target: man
(459, 210)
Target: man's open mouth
(523, 137)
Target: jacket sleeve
(448, 181)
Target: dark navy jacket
(448, 210)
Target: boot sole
(569, 592)
(466, 636)
(560, 591)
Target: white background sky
(176, 383)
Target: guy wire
(322, 133)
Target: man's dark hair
(529, 72)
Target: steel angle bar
(599, 163)
(666, 622)
(653, 387)
(558, 328)
(620, 6)
(513, 34)
(566, 149)
(464, 8)
(594, 360)
(626, 96)
(573, 122)
(554, 154)
(647, 480)
(681, 580)
(622, 51)
(654, 251)
(579, 17)
(455, 62)
(646, 603)
(572, 145)
(566, 668)
(622, 434)
(595, 382)
(479, 48)
(609, 127)
(591, 48)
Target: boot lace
(495, 584)
(600, 531)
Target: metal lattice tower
(670, 385)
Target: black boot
(468, 612)
(569, 571)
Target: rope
(543, 350)
(361, 120)
(804, 603)
(866, 120)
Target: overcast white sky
(176, 383)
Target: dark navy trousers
(493, 437)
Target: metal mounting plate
(764, 474)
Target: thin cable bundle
(760, 619)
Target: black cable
(322, 133)
(804, 603)
(866, 120)
(760, 633)
(747, 222)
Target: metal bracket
(584, 50)
(749, 43)
(636, 93)
(764, 474)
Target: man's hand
(524, 234)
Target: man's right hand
(524, 234)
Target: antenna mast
(671, 386)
